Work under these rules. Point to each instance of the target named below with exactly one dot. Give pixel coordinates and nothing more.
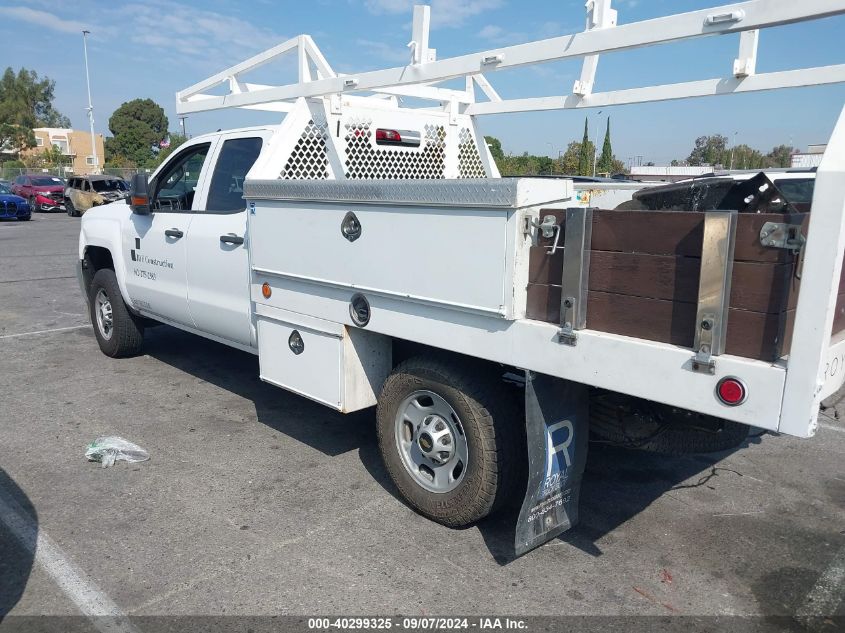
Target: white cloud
(491, 32)
(385, 52)
(156, 26)
(163, 25)
(444, 13)
(43, 19)
(499, 36)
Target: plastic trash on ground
(110, 449)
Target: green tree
(617, 167)
(495, 146)
(26, 102)
(780, 156)
(585, 159)
(605, 164)
(745, 157)
(50, 157)
(137, 126)
(709, 150)
(569, 162)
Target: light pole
(733, 147)
(596, 145)
(85, 35)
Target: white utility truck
(370, 255)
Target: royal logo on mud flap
(556, 433)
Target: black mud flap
(556, 427)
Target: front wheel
(448, 432)
(71, 210)
(119, 333)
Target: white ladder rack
(603, 35)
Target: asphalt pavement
(258, 502)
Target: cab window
(176, 185)
(237, 157)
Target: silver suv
(84, 192)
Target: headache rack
(794, 385)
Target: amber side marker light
(266, 290)
(731, 391)
(139, 201)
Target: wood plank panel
(750, 334)
(679, 233)
(760, 287)
(644, 273)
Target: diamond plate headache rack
(490, 192)
(603, 34)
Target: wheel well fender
(97, 257)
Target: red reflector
(388, 135)
(731, 391)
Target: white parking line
(58, 329)
(104, 614)
(827, 593)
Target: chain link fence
(10, 173)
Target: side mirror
(139, 195)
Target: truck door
(218, 261)
(155, 245)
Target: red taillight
(731, 391)
(390, 136)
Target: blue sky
(152, 48)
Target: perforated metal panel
(309, 158)
(469, 159)
(367, 161)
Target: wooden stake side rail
(644, 275)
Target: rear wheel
(119, 333)
(448, 432)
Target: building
(74, 144)
(668, 173)
(811, 158)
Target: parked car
(84, 192)
(44, 192)
(12, 206)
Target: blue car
(12, 206)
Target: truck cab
(186, 262)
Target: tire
(32, 204)
(648, 426)
(71, 210)
(488, 427)
(25, 219)
(125, 336)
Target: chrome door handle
(174, 233)
(231, 239)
